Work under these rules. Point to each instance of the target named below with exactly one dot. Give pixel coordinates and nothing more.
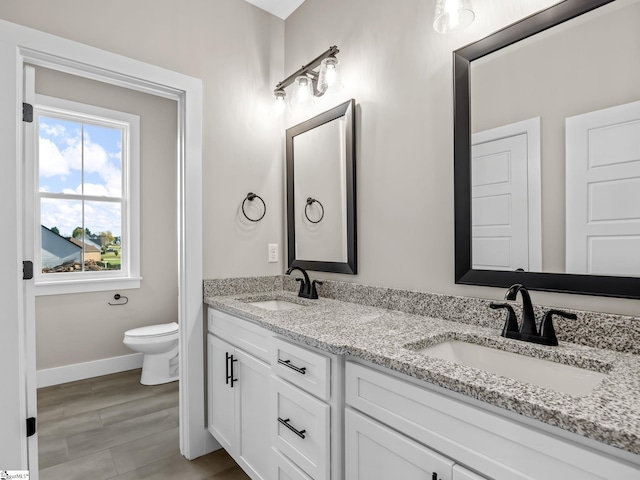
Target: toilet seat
(161, 330)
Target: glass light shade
(302, 94)
(280, 103)
(329, 77)
(452, 15)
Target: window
(87, 200)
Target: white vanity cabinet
(238, 391)
(466, 437)
(307, 413)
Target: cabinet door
(461, 473)
(375, 452)
(221, 395)
(252, 390)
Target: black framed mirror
(477, 260)
(321, 192)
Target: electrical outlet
(273, 252)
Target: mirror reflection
(555, 134)
(321, 192)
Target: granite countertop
(390, 338)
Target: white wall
(399, 71)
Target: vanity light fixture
(452, 15)
(309, 83)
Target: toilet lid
(153, 330)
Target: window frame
(128, 277)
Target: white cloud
(67, 215)
(55, 130)
(54, 162)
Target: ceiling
(279, 8)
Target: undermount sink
(562, 378)
(276, 305)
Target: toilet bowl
(159, 344)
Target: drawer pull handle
(300, 433)
(229, 369)
(287, 363)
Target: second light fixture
(308, 83)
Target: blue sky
(63, 154)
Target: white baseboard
(80, 371)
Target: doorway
(19, 46)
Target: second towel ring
(251, 197)
(310, 201)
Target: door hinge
(31, 426)
(27, 270)
(27, 112)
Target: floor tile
(66, 426)
(130, 377)
(146, 450)
(112, 427)
(175, 466)
(112, 435)
(215, 462)
(97, 466)
(104, 399)
(234, 473)
(52, 451)
(137, 408)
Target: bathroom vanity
(341, 390)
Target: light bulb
(329, 77)
(302, 94)
(452, 15)
(280, 104)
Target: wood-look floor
(112, 427)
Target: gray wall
(399, 71)
(237, 50)
(393, 63)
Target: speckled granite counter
(390, 338)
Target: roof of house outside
(89, 246)
(57, 250)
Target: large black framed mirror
(321, 192)
(577, 209)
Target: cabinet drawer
(285, 469)
(473, 436)
(249, 337)
(304, 368)
(301, 425)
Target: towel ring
(117, 296)
(310, 201)
(251, 197)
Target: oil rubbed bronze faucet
(307, 287)
(528, 330)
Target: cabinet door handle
(287, 363)
(434, 476)
(285, 422)
(229, 367)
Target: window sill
(86, 285)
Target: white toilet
(159, 343)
